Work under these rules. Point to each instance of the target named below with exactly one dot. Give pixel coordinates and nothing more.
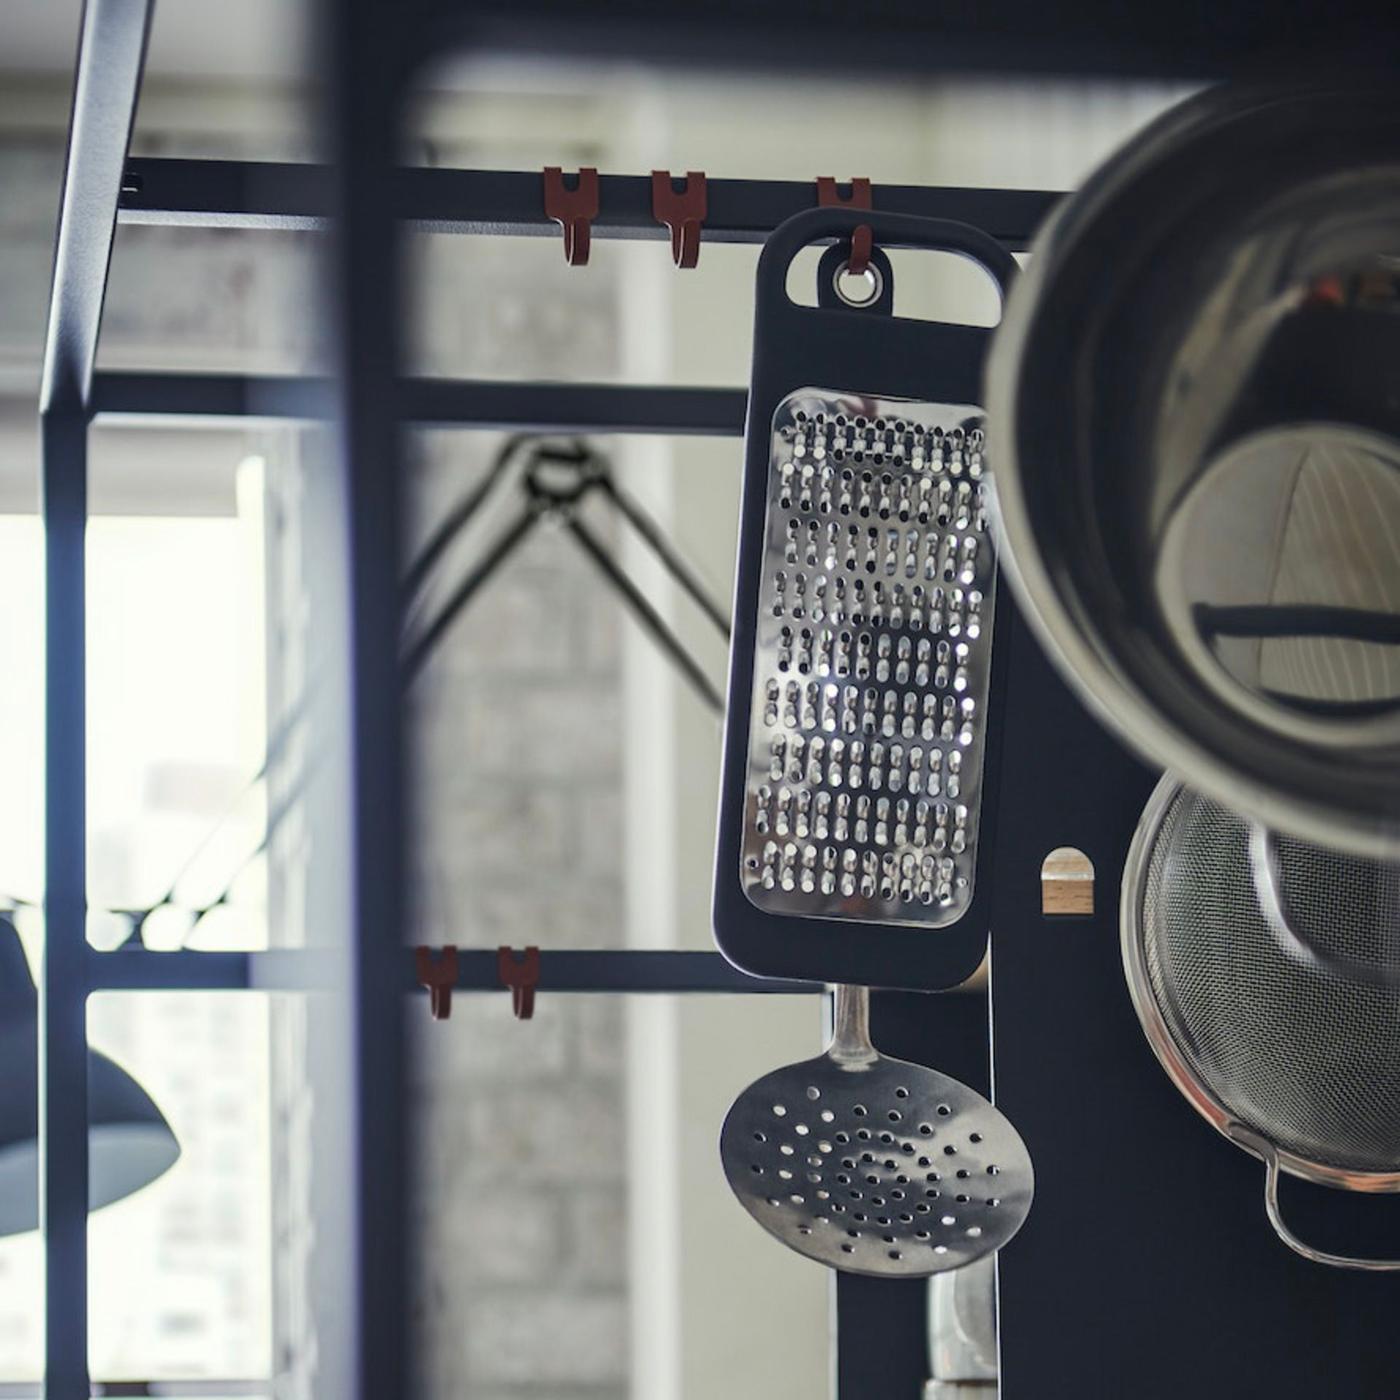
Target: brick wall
(520, 1206)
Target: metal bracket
(558, 476)
(556, 480)
(682, 211)
(862, 240)
(574, 209)
(522, 976)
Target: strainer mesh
(1347, 907)
(1305, 1056)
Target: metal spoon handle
(850, 1045)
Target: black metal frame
(103, 187)
(110, 59)
(265, 195)
(372, 49)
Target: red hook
(573, 209)
(862, 240)
(522, 976)
(682, 211)
(439, 976)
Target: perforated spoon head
(876, 1166)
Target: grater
(859, 742)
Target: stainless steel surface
(872, 660)
(873, 1165)
(1287, 1059)
(962, 1326)
(871, 284)
(1307, 894)
(1197, 451)
(1262, 1148)
(1296, 518)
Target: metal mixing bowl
(1194, 409)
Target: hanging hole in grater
(858, 289)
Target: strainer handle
(1264, 1149)
(1268, 888)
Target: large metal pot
(1194, 425)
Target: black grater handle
(866, 350)
(857, 349)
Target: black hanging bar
(268, 195)
(658, 970)
(121, 396)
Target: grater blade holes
(869, 680)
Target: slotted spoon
(874, 1165)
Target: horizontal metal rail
(625, 970)
(267, 195)
(293, 969)
(183, 1389)
(486, 404)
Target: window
(180, 1271)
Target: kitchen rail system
(1073, 784)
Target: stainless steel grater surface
(871, 662)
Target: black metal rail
(674, 411)
(136, 969)
(265, 195)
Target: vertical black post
(364, 41)
(111, 53)
(63, 1129)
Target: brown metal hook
(682, 211)
(572, 209)
(862, 240)
(522, 976)
(439, 976)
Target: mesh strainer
(1282, 1053)
(1339, 911)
